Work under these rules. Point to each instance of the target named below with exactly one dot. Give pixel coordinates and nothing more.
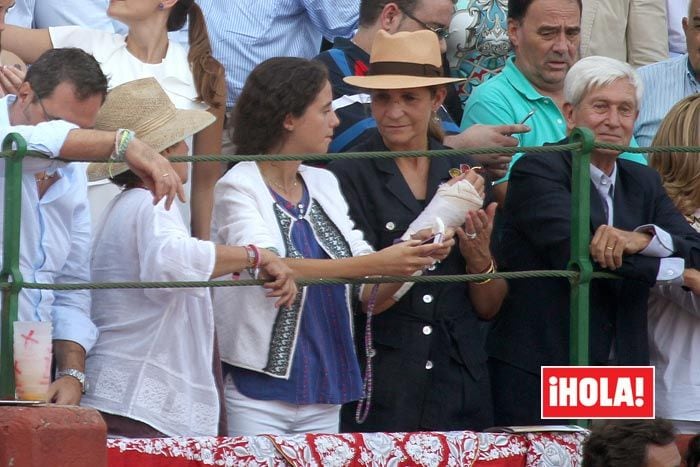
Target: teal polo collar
(520, 83)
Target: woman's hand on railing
(280, 276)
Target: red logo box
(572, 392)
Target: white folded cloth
(451, 204)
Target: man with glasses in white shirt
(63, 92)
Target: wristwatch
(77, 374)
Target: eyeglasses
(47, 115)
(442, 31)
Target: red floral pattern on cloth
(432, 449)
(552, 449)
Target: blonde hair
(680, 171)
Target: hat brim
(397, 81)
(185, 124)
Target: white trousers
(250, 417)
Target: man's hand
(485, 136)
(691, 279)
(155, 171)
(610, 244)
(66, 390)
(281, 277)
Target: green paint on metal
(580, 240)
(10, 274)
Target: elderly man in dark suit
(636, 233)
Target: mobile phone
(527, 117)
(431, 239)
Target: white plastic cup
(32, 377)
(32, 338)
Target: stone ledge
(52, 435)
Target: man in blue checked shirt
(244, 33)
(669, 81)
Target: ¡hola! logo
(570, 392)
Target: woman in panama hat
(429, 362)
(287, 370)
(150, 372)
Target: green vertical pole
(580, 240)
(10, 260)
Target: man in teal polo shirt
(545, 35)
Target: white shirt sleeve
(46, 137)
(168, 253)
(237, 216)
(71, 308)
(661, 244)
(671, 271)
(92, 41)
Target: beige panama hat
(403, 60)
(144, 107)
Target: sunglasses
(442, 32)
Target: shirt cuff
(661, 244)
(670, 271)
(74, 327)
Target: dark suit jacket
(430, 364)
(532, 328)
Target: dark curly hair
(70, 65)
(692, 456)
(624, 443)
(274, 89)
(517, 9)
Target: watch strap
(77, 374)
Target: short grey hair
(595, 71)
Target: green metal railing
(580, 270)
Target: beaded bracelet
(122, 139)
(253, 256)
(489, 270)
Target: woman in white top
(191, 79)
(674, 311)
(150, 372)
(288, 370)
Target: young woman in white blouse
(153, 370)
(288, 370)
(191, 79)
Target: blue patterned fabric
(324, 365)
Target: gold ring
(609, 248)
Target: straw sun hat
(144, 107)
(403, 60)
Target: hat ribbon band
(403, 68)
(154, 123)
